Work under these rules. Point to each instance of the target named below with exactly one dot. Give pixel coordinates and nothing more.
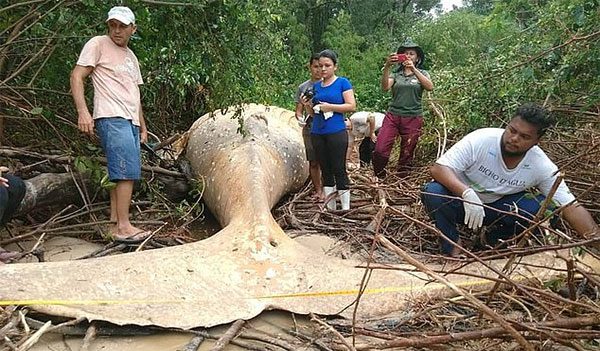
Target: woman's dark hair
(313, 57)
(330, 54)
(536, 115)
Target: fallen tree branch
(496, 332)
(482, 307)
(228, 336)
(68, 159)
(194, 344)
(90, 335)
(337, 334)
(35, 337)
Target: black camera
(309, 93)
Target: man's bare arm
(448, 178)
(299, 111)
(143, 129)
(581, 220)
(85, 122)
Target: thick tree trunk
(60, 189)
(49, 189)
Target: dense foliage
(198, 56)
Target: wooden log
(194, 344)
(46, 186)
(60, 189)
(90, 335)
(228, 336)
(49, 189)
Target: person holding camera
(333, 97)
(306, 90)
(405, 113)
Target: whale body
(249, 266)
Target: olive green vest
(406, 94)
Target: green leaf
(106, 183)
(36, 111)
(92, 147)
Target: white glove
(474, 211)
(301, 120)
(326, 115)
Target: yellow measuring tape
(275, 296)
(430, 286)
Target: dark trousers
(409, 129)
(365, 151)
(330, 150)
(10, 197)
(447, 212)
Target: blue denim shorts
(121, 143)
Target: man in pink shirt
(117, 115)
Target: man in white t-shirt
(362, 127)
(117, 114)
(498, 168)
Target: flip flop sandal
(135, 238)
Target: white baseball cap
(122, 14)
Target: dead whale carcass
(248, 267)
(247, 172)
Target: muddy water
(275, 324)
